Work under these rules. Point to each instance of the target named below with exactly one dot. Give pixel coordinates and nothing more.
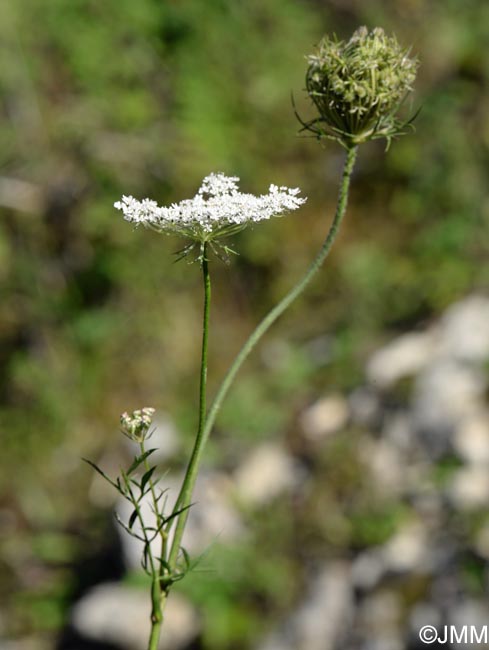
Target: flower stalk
(185, 496)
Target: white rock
(326, 416)
(365, 407)
(408, 549)
(471, 439)
(380, 618)
(424, 613)
(118, 614)
(403, 357)
(213, 515)
(330, 592)
(320, 622)
(276, 641)
(265, 474)
(474, 615)
(469, 487)
(398, 429)
(482, 541)
(387, 641)
(465, 330)
(367, 569)
(445, 394)
(387, 466)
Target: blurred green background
(146, 98)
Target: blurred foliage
(145, 98)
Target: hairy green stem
(206, 423)
(186, 490)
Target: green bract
(357, 86)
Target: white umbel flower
(217, 210)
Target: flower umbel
(358, 86)
(218, 209)
(136, 425)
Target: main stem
(158, 593)
(158, 599)
(186, 490)
(206, 423)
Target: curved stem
(186, 490)
(206, 423)
(289, 298)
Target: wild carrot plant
(357, 88)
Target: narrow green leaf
(133, 518)
(146, 477)
(158, 530)
(177, 513)
(164, 564)
(186, 557)
(144, 559)
(127, 529)
(139, 459)
(103, 474)
(176, 577)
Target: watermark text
(449, 634)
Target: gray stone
(21, 644)
(322, 620)
(408, 549)
(403, 357)
(481, 542)
(365, 407)
(422, 614)
(469, 487)
(446, 393)
(465, 330)
(367, 569)
(324, 417)
(398, 429)
(118, 614)
(474, 615)
(471, 439)
(386, 465)
(379, 620)
(266, 473)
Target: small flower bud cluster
(358, 85)
(136, 425)
(217, 210)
